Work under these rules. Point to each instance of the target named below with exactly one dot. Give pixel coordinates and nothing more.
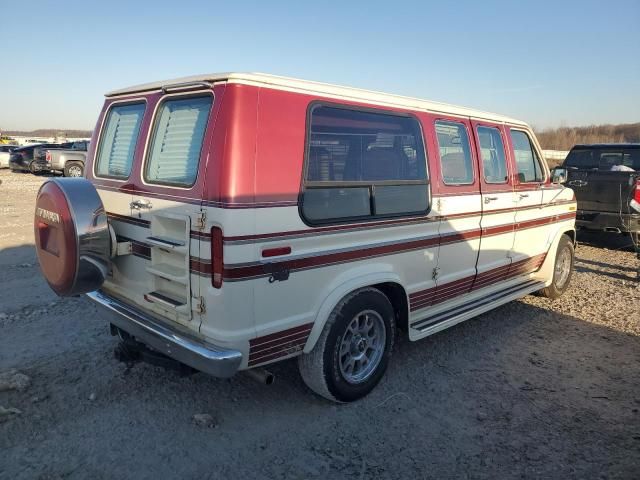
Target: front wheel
(353, 351)
(562, 269)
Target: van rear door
(150, 162)
(168, 199)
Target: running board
(458, 314)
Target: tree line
(563, 138)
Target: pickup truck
(606, 181)
(68, 161)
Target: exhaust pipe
(261, 375)
(612, 229)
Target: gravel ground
(534, 389)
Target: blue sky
(548, 63)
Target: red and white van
(229, 221)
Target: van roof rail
(179, 87)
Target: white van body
(302, 195)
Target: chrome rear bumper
(173, 341)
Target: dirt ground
(534, 389)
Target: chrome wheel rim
(362, 346)
(75, 171)
(563, 267)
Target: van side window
(174, 153)
(118, 141)
(494, 163)
(363, 164)
(528, 166)
(455, 153)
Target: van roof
(325, 89)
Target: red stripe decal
(447, 291)
(280, 344)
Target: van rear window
(175, 148)
(118, 140)
(363, 164)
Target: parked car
(5, 154)
(69, 161)
(606, 179)
(39, 153)
(21, 159)
(230, 221)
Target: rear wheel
(562, 269)
(353, 351)
(73, 169)
(32, 168)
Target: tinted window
(363, 164)
(119, 138)
(175, 148)
(348, 145)
(632, 158)
(608, 159)
(528, 164)
(455, 153)
(494, 164)
(580, 158)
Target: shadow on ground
(522, 391)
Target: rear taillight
(48, 156)
(217, 264)
(635, 200)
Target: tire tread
(311, 365)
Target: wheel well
(398, 298)
(572, 235)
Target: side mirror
(559, 175)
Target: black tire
(560, 283)
(321, 369)
(32, 169)
(71, 167)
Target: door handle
(524, 195)
(490, 199)
(140, 205)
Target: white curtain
(177, 141)
(119, 140)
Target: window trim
(541, 162)
(504, 151)
(153, 125)
(96, 153)
(473, 173)
(304, 184)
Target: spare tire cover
(72, 236)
